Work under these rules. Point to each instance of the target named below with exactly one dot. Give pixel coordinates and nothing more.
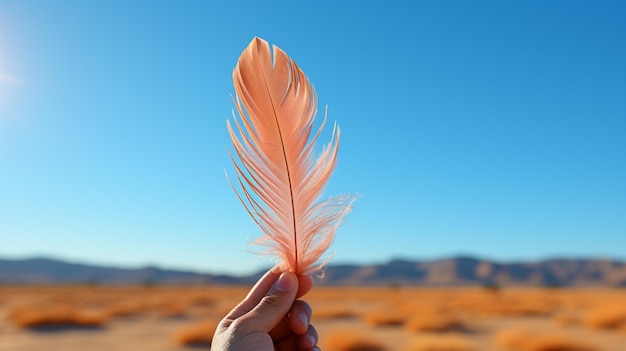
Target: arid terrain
(170, 318)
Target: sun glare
(8, 84)
(9, 81)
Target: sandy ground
(153, 335)
(151, 332)
(481, 337)
(121, 335)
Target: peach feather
(280, 175)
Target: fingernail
(302, 317)
(312, 340)
(285, 282)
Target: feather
(280, 176)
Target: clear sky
(488, 128)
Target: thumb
(275, 305)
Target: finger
(299, 317)
(296, 322)
(304, 285)
(258, 291)
(274, 306)
(287, 343)
(307, 341)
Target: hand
(270, 318)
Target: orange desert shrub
(88, 318)
(56, 315)
(411, 307)
(198, 334)
(440, 322)
(441, 343)
(514, 303)
(383, 317)
(525, 340)
(565, 319)
(529, 306)
(536, 307)
(350, 340)
(606, 317)
(202, 300)
(125, 309)
(513, 339)
(336, 312)
(171, 309)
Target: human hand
(270, 318)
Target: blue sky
(489, 128)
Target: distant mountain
(457, 271)
(464, 271)
(49, 271)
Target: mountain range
(456, 271)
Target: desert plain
(178, 318)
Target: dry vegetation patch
(526, 340)
(332, 312)
(606, 317)
(441, 343)
(197, 334)
(350, 340)
(125, 308)
(511, 303)
(518, 306)
(94, 306)
(171, 307)
(202, 300)
(565, 319)
(434, 322)
(56, 315)
(383, 317)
